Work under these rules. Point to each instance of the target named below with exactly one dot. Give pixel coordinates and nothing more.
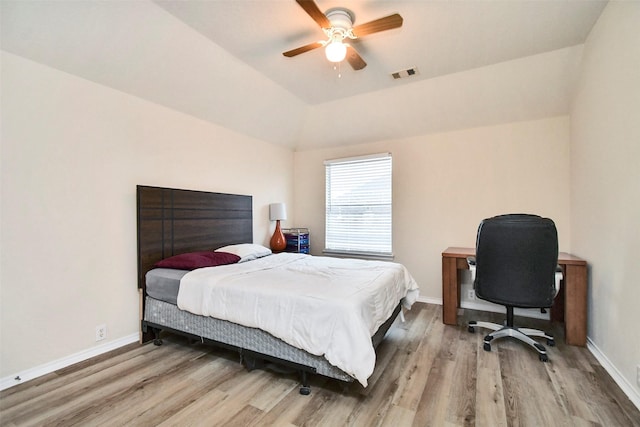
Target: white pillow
(246, 251)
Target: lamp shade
(277, 211)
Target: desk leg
(575, 305)
(450, 291)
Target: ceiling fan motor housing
(340, 18)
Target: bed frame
(174, 221)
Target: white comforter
(326, 306)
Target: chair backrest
(516, 258)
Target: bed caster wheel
(551, 343)
(544, 358)
(486, 346)
(157, 342)
(305, 391)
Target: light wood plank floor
(427, 374)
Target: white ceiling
(479, 62)
(437, 37)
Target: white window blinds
(358, 205)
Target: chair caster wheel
(305, 390)
(157, 342)
(471, 329)
(544, 358)
(486, 346)
(551, 343)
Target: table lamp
(277, 212)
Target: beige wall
(72, 154)
(605, 184)
(445, 184)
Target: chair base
(522, 334)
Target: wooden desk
(570, 304)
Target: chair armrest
(471, 262)
(558, 279)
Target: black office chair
(515, 266)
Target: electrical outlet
(471, 294)
(101, 332)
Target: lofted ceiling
(437, 37)
(477, 62)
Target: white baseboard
(481, 306)
(427, 300)
(47, 368)
(622, 382)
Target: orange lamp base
(278, 243)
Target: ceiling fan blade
(302, 49)
(382, 24)
(354, 59)
(314, 12)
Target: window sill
(358, 255)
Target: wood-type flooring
(427, 374)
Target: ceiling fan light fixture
(335, 51)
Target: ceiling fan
(337, 25)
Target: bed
(173, 222)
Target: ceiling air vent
(404, 73)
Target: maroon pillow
(193, 260)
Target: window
(358, 205)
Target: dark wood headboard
(172, 221)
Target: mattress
(163, 284)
